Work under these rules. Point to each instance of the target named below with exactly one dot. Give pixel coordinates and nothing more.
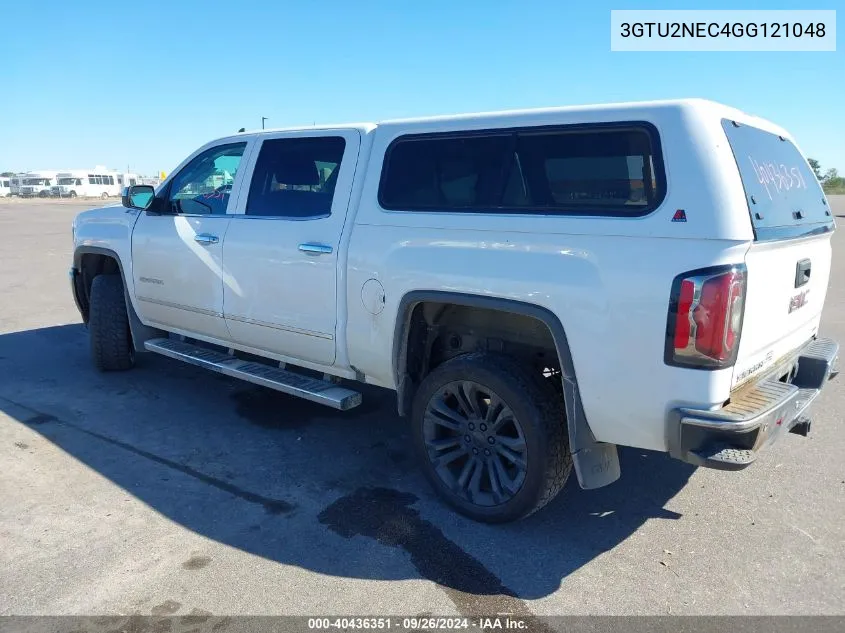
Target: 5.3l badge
(798, 301)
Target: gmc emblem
(798, 301)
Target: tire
(72, 194)
(108, 323)
(104, 196)
(537, 424)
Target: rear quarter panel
(607, 279)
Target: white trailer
(37, 183)
(5, 186)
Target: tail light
(705, 317)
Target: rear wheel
(490, 436)
(108, 322)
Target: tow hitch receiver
(802, 427)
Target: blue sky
(145, 83)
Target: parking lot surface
(172, 490)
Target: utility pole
(264, 118)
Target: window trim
(650, 130)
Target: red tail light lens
(705, 317)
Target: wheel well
(91, 265)
(438, 331)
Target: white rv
(97, 183)
(37, 183)
(5, 186)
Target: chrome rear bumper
(729, 438)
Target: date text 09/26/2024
(417, 623)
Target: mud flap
(596, 463)
(140, 332)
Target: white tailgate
(778, 315)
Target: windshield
(36, 181)
(67, 181)
(784, 198)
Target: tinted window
(445, 172)
(780, 188)
(295, 178)
(204, 185)
(607, 170)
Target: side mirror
(137, 197)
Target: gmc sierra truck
(537, 287)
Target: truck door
(177, 252)
(281, 251)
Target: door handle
(315, 249)
(206, 238)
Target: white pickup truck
(537, 286)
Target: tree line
(831, 181)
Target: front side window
(295, 178)
(580, 170)
(204, 185)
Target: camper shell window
(613, 169)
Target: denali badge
(798, 301)
(754, 368)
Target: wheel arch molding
(140, 332)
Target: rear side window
(296, 178)
(784, 198)
(582, 170)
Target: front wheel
(104, 195)
(72, 194)
(491, 437)
(108, 322)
